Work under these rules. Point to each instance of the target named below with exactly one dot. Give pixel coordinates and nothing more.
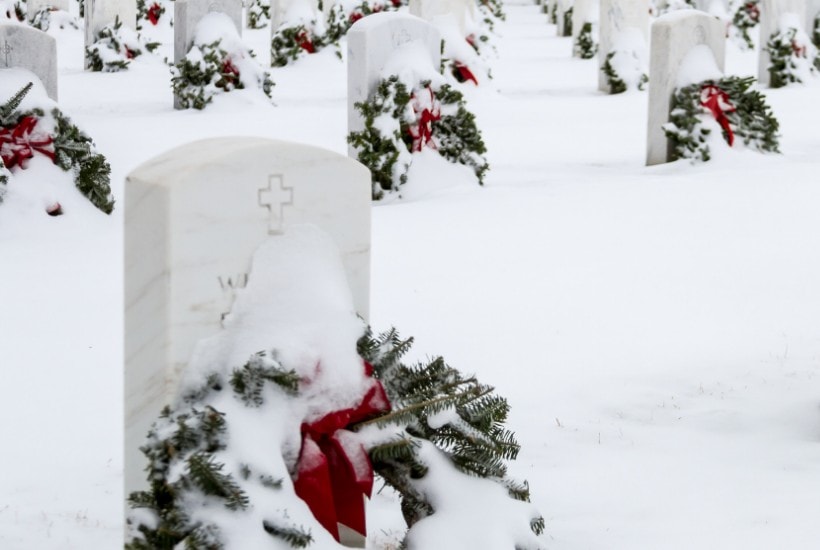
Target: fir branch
(12, 104)
(297, 537)
(207, 474)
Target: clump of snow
(698, 65)
(630, 57)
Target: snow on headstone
(619, 20)
(34, 6)
(771, 15)
(584, 11)
(103, 13)
(463, 11)
(188, 13)
(301, 11)
(371, 42)
(674, 35)
(193, 218)
(26, 48)
(562, 18)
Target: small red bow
(154, 13)
(304, 41)
(334, 473)
(422, 131)
(18, 144)
(463, 73)
(719, 103)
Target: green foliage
(614, 80)
(41, 19)
(4, 180)
(432, 401)
(783, 58)
(290, 43)
(746, 18)
(249, 381)
(388, 155)
(258, 14)
(567, 23)
(110, 53)
(815, 38)
(752, 121)
(142, 12)
(585, 43)
(295, 536)
(10, 106)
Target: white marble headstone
(463, 11)
(24, 47)
(562, 7)
(584, 11)
(812, 12)
(371, 42)
(770, 13)
(33, 6)
(618, 17)
(102, 13)
(187, 13)
(293, 10)
(673, 37)
(193, 218)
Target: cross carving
(7, 49)
(275, 197)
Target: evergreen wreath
(786, 55)
(291, 42)
(585, 43)
(815, 38)
(151, 13)
(340, 18)
(68, 147)
(446, 125)
(208, 70)
(493, 11)
(615, 81)
(745, 18)
(740, 110)
(567, 23)
(258, 14)
(41, 19)
(115, 47)
(184, 445)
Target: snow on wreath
(435, 436)
(33, 132)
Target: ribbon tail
(353, 480)
(313, 485)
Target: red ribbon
(229, 73)
(18, 144)
(719, 103)
(464, 73)
(154, 13)
(422, 132)
(753, 11)
(800, 50)
(304, 41)
(355, 16)
(334, 473)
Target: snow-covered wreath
(585, 43)
(24, 134)
(625, 64)
(815, 38)
(217, 62)
(746, 17)
(343, 13)
(116, 45)
(399, 121)
(151, 12)
(740, 111)
(791, 53)
(258, 14)
(412, 424)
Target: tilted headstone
(584, 11)
(103, 13)
(617, 18)
(673, 37)
(282, 9)
(371, 42)
(193, 218)
(27, 48)
(771, 12)
(561, 9)
(188, 13)
(462, 11)
(34, 6)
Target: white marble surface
(770, 14)
(28, 48)
(193, 218)
(673, 36)
(187, 13)
(101, 13)
(463, 11)
(33, 6)
(585, 11)
(812, 11)
(615, 18)
(371, 42)
(562, 6)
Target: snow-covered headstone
(584, 11)
(34, 6)
(771, 19)
(623, 24)
(103, 13)
(26, 48)
(462, 11)
(283, 10)
(812, 12)
(562, 18)
(674, 35)
(193, 218)
(371, 43)
(188, 13)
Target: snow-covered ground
(656, 330)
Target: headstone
(34, 6)
(371, 42)
(193, 218)
(812, 12)
(674, 35)
(584, 11)
(102, 13)
(463, 11)
(619, 17)
(27, 48)
(187, 13)
(771, 12)
(280, 10)
(561, 9)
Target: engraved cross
(7, 49)
(275, 197)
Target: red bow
(154, 13)
(334, 473)
(230, 74)
(753, 11)
(18, 144)
(719, 103)
(422, 132)
(800, 50)
(464, 73)
(304, 41)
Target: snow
(654, 329)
